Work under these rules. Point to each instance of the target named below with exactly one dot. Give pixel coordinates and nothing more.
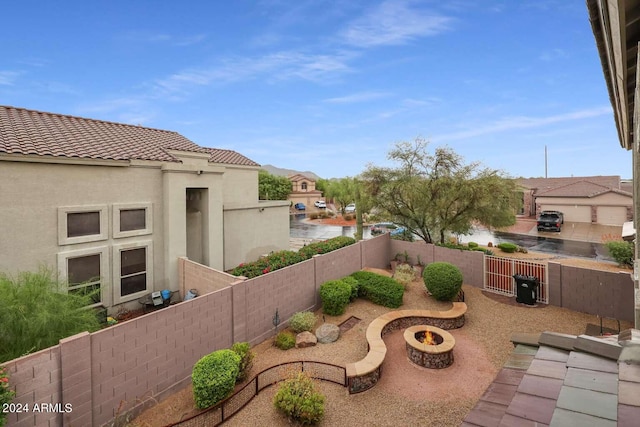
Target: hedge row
(378, 289)
(281, 259)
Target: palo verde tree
(273, 187)
(436, 194)
(342, 190)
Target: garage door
(572, 213)
(612, 215)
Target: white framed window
(81, 224)
(132, 219)
(86, 271)
(132, 270)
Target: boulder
(305, 339)
(327, 333)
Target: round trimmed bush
(508, 247)
(472, 244)
(335, 296)
(285, 340)
(443, 280)
(298, 399)
(214, 377)
(243, 349)
(302, 321)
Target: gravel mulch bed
(406, 394)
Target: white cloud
(357, 97)
(522, 122)
(8, 78)
(394, 23)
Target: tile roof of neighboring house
(556, 379)
(544, 184)
(30, 132)
(580, 189)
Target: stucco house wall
(191, 201)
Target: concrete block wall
(376, 252)
(288, 290)
(337, 264)
(36, 378)
(603, 293)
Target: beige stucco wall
(31, 193)
(234, 226)
(254, 230)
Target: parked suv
(550, 220)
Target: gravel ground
(406, 394)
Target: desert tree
(273, 187)
(435, 194)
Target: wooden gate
(499, 272)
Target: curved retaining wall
(364, 374)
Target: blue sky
(327, 85)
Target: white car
(320, 204)
(350, 208)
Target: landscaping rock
(306, 339)
(327, 333)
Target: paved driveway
(578, 231)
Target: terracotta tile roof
(31, 132)
(229, 157)
(545, 184)
(582, 188)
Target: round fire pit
(438, 354)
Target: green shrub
(406, 236)
(621, 252)
(302, 321)
(285, 340)
(378, 289)
(508, 247)
(404, 274)
(443, 280)
(298, 399)
(37, 311)
(472, 245)
(214, 377)
(353, 283)
(266, 264)
(243, 349)
(326, 246)
(335, 296)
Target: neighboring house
(303, 190)
(592, 199)
(113, 206)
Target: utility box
(526, 289)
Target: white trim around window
(148, 219)
(105, 282)
(144, 272)
(63, 224)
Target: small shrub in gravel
(285, 340)
(443, 280)
(404, 274)
(378, 289)
(472, 245)
(508, 247)
(214, 377)
(243, 349)
(335, 296)
(298, 399)
(302, 321)
(622, 252)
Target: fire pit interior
(429, 347)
